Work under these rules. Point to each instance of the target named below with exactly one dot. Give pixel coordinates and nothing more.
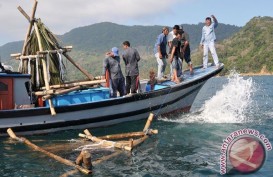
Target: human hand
(171, 59)
(160, 56)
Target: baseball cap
(115, 51)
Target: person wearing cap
(208, 39)
(161, 52)
(170, 38)
(175, 55)
(131, 58)
(112, 64)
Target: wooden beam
(149, 121)
(54, 51)
(19, 56)
(24, 13)
(30, 25)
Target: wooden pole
(51, 155)
(44, 92)
(140, 140)
(52, 110)
(79, 67)
(68, 85)
(87, 160)
(79, 159)
(24, 13)
(30, 26)
(149, 121)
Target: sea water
(187, 144)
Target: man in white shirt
(207, 40)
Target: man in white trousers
(208, 39)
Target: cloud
(63, 15)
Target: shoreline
(256, 74)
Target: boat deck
(186, 77)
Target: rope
(61, 66)
(28, 66)
(95, 146)
(47, 66)
(20, 64)
(146, 132)
(37, 72)
(163, 102)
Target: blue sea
(187, 144)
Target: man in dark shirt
(175, 55)
(112, 64)
(130, 57)
(185, 48)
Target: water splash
(229, 105)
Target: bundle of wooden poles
(83, 162)
(120, 143)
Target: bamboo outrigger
(83, 162)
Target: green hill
(250, 50)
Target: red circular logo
(247, 154)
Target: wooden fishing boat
(96, 108)
(61, 105)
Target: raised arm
(214, 21)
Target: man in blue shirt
(161, 52)
(207, 40)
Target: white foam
(228, 105)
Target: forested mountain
(100, 37)
(91, 42)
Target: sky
(63, 15)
